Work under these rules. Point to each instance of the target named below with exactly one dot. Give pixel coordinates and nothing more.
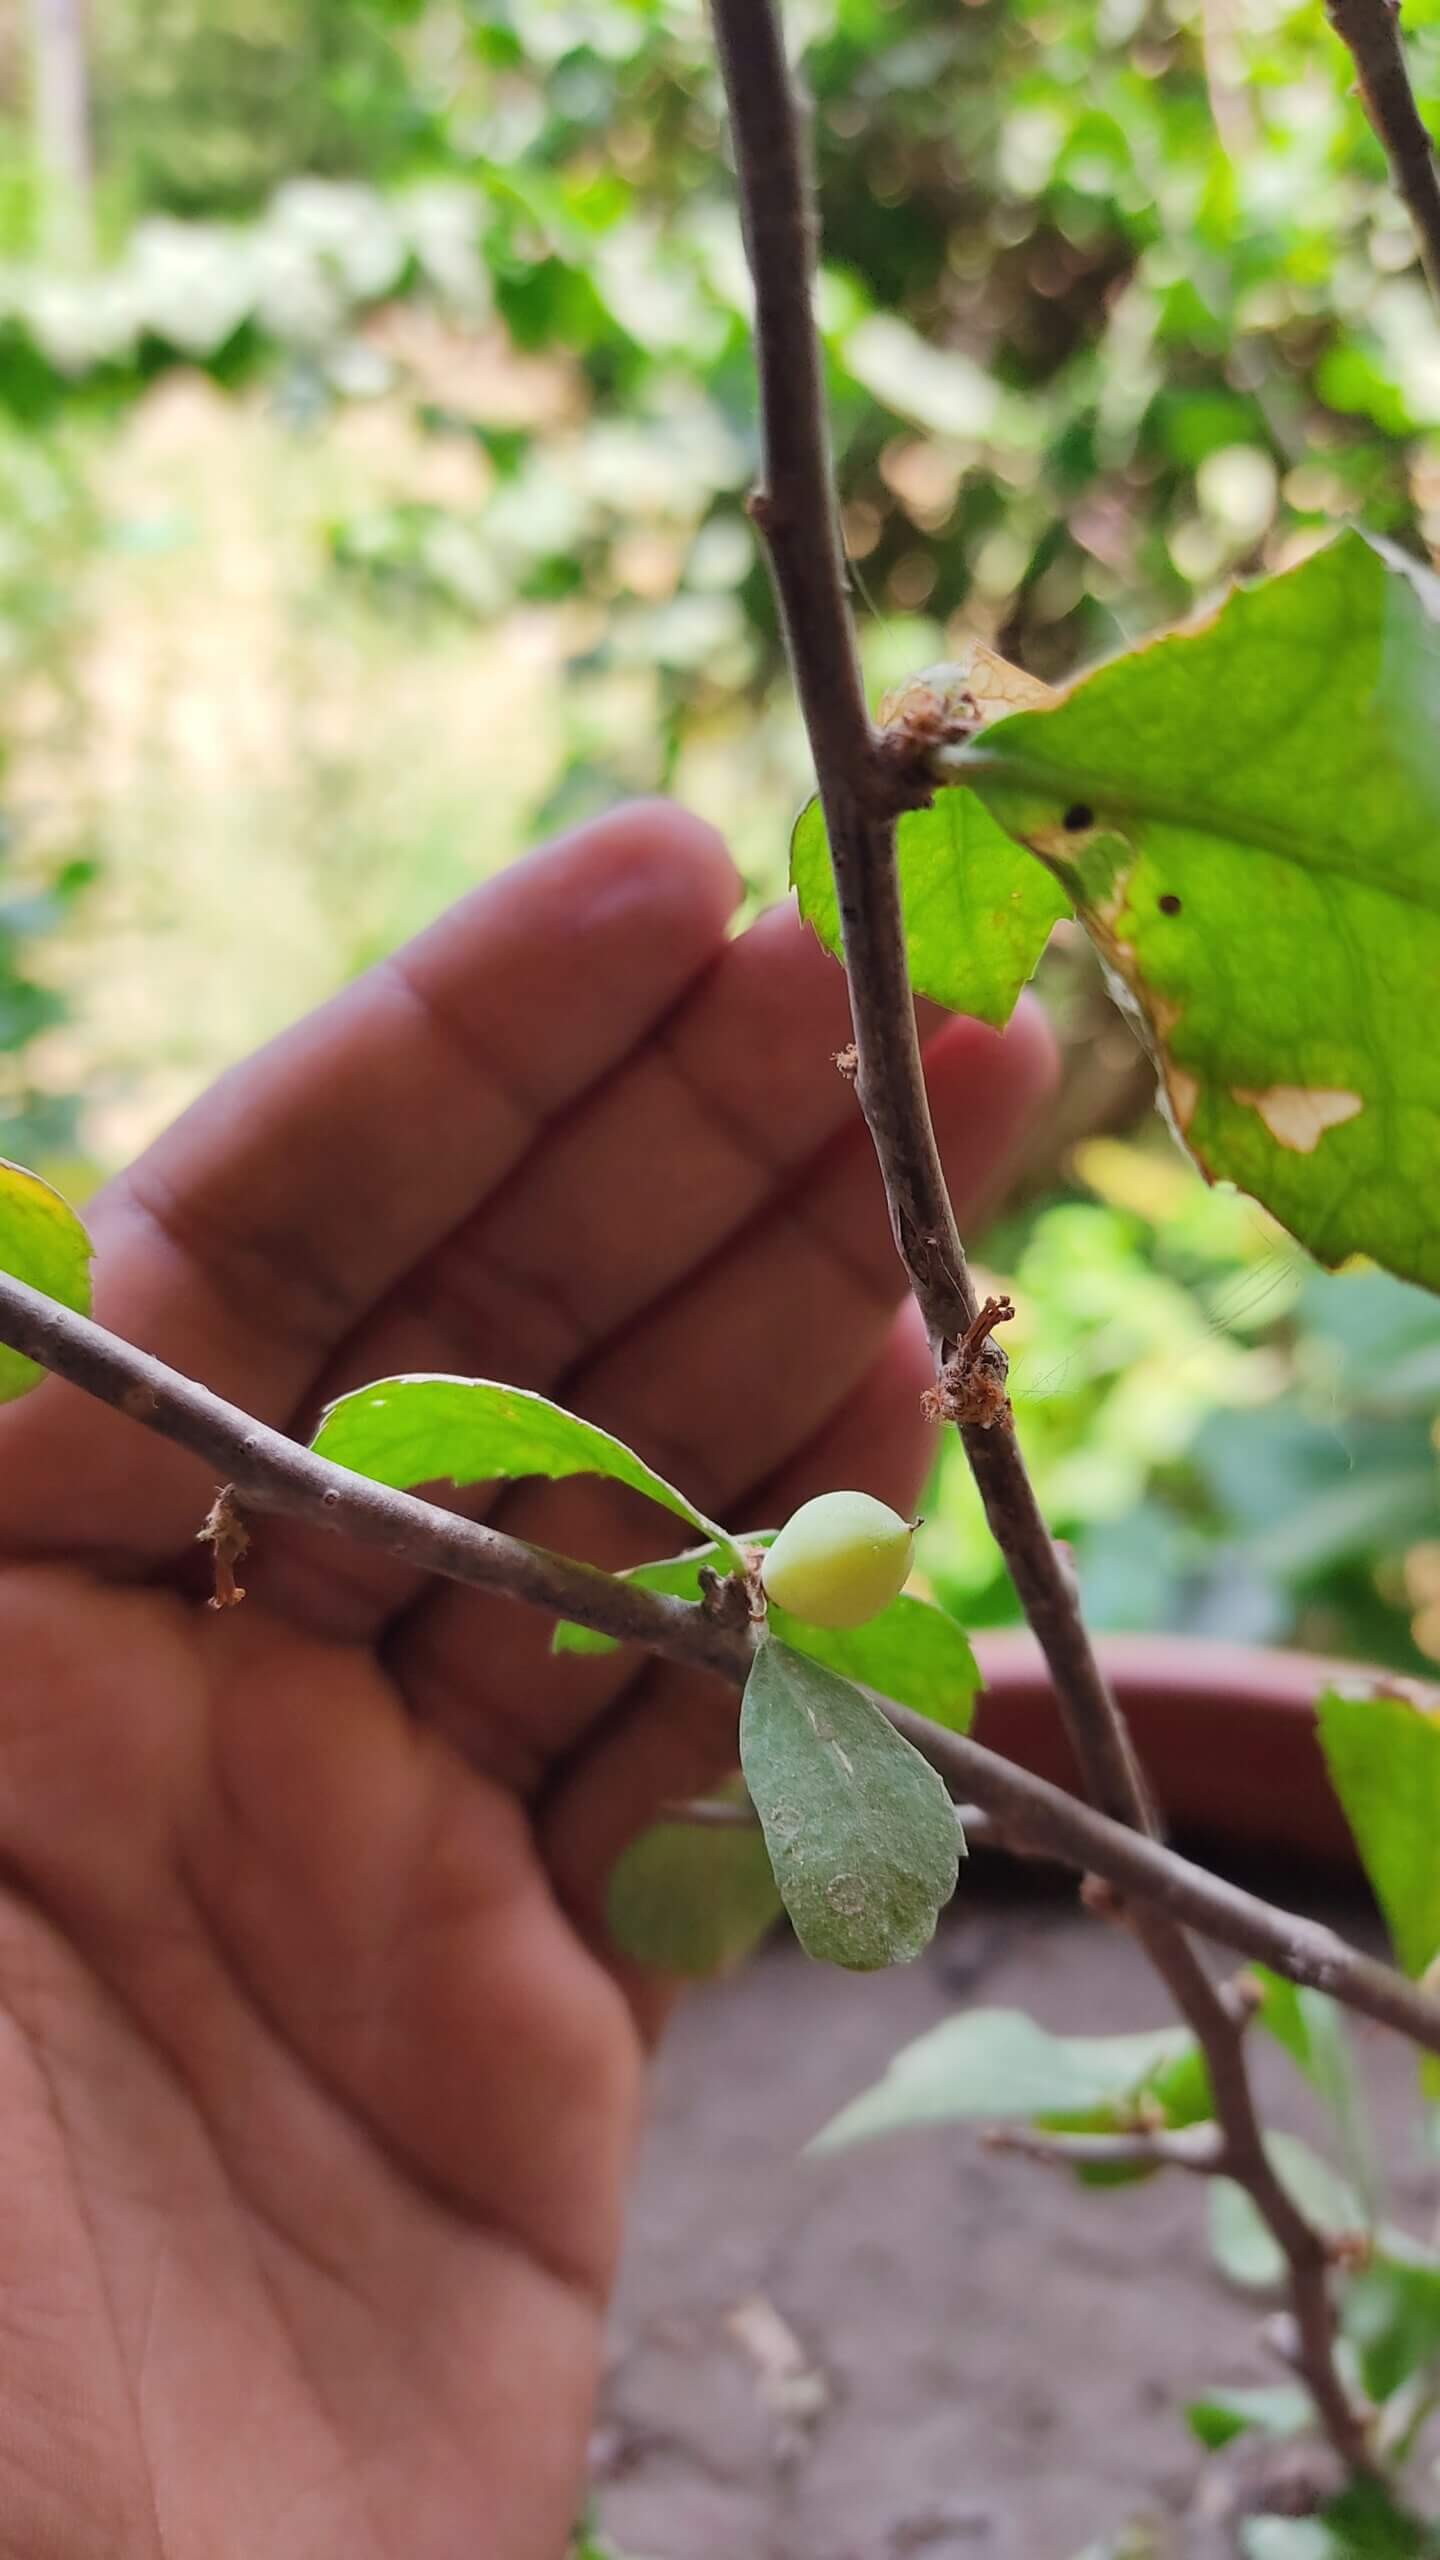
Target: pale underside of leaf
(998, 2065)
(862, 1836)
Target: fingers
(703, 1140)
(248, 1242)
(662, 1164)
(722, 1385)
(673, 1735)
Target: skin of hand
(318, 2084)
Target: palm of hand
(318, 2083)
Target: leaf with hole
(425, 1430)
(42, 1243)
(1246, 815)
(862, 1836)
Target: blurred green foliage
(1234, 1442)
(1116, 303)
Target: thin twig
(273, 1474)
(1196, 2147)
(265, 1471)
(1220, 2035)
(860, 795)
(862, 792)
(1370, 29)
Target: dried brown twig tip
(725, 1598)
(225, 1533)
(971, 1385)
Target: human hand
(317, 2081)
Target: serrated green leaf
(690, 1899)
(862, 1836)
(1383, 1755)
(1247, 817)
(1241, 2243)
(912, 1652)
(998, 2066)
(42, 1243)
(1274, 2409)
(425, 1430)
(978, 911)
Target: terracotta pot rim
(1226, 1732)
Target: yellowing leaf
(42, 1243)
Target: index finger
(246, 1243)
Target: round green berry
(839, 1560)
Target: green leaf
(862, 1836)
(1241, 2243)
(422, 1430)
(42, 1243)
(679, 1576)
(912, 1652)
(1383, 1755)
(1247, 817)
(978, 912)
(690, 1899)
(998, 2066)
(1390, 2312)
(1274, 2409)
(1363, 2523)
(1311, 2029)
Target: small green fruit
(839, 1560)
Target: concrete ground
(918, 2347)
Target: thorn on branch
(1102, 1899)
(226, 1535)
(971, 1385)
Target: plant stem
(1370, 29)
(1195, 2147)
(861, 796)
(270, 1473)
(265, 1471)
